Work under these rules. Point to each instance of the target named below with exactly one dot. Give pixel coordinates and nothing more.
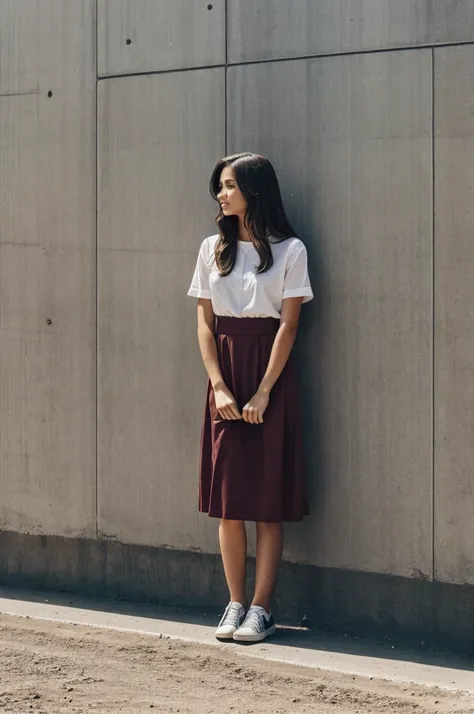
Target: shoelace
(232, 615)
(255, 619)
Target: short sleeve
(200, 286)
(297, 283)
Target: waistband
(246, 325)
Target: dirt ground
(48, 668)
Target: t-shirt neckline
(246, 244)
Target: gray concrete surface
(360, 149)
(161, 35)
(272, 29)
(454, 299)
(47, 268)
(157, 140)
(291, 645)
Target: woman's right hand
(226, 404)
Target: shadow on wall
(309, 351)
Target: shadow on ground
(298, 637)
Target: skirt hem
(294, 519)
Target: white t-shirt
(242, 293)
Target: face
(229, 196)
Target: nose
(221, 195)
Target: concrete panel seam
(350, 53)
(226, 46)
(96, 269)
(433, 318)
(161, 71)
(22, 94)
(96, 298)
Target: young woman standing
(250, 281)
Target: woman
(250, 281)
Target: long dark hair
(264, 217)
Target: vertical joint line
(96, 291)
(226, 21)
(433, 317)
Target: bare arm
(282, 346)
(207, 341)
(284, 341)
(225, 401)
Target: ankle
(258, 602)
(242, 600)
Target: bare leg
(269, 550)
(233, 543)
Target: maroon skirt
(252, 472)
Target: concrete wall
(370, 126)
(157, 139)
(357, 157)
(454, 315)
(47, 267)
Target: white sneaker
(231, 620)
(258, 625)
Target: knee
(229, 524)
(269, 527)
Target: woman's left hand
(255, 408)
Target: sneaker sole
(224, 637)
(255, 638)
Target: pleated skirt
(252, 472)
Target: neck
(243, 232)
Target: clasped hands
(252, 412)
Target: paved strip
(290, 645)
